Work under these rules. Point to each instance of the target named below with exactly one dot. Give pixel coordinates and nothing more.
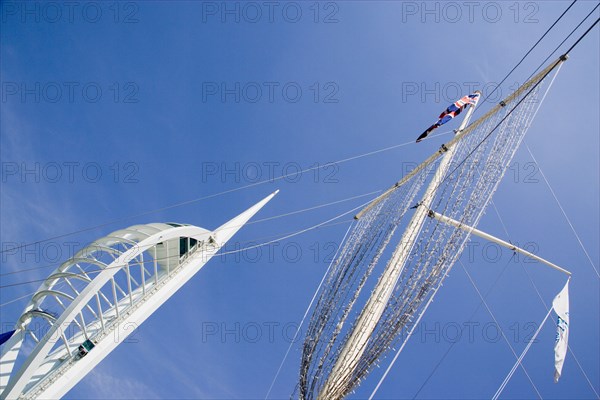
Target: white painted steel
(50, 373)
(487, 236)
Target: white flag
(561, 307)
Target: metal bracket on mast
(487, 236)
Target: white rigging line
(562, 210)
(520, 359)
(248, 223)
(17, 299)
(501, 220)
(548, 309)
(570, 224)
(313, 207)
(404, 343)
(508, 236)
(499, 327)
(489, 291)
(548, 183)
(568, 346)
(296, 233)
(572, 228)
(307, 310)
(284, 237)
(191, 201)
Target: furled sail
(365, 305)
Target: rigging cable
(307, 311)
(414, 326)
(571, 48)
(549, 309)
(535, 287)
(286, 236)
(489, 310)
(441, 360)
(529, 51)
(191, 201)
(516, 105)
(542, 299)
(562, 210)
(564, 40)
(248, 223)
(520, 359)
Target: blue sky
(118, 108)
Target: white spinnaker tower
(105, 291)
(350, 330)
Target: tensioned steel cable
(218, 194)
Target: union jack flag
(452, 111)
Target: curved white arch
(58, 275)
(49, 371)
(40, 294)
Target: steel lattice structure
(93, 301)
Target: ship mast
(357, 342)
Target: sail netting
(358, 318)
